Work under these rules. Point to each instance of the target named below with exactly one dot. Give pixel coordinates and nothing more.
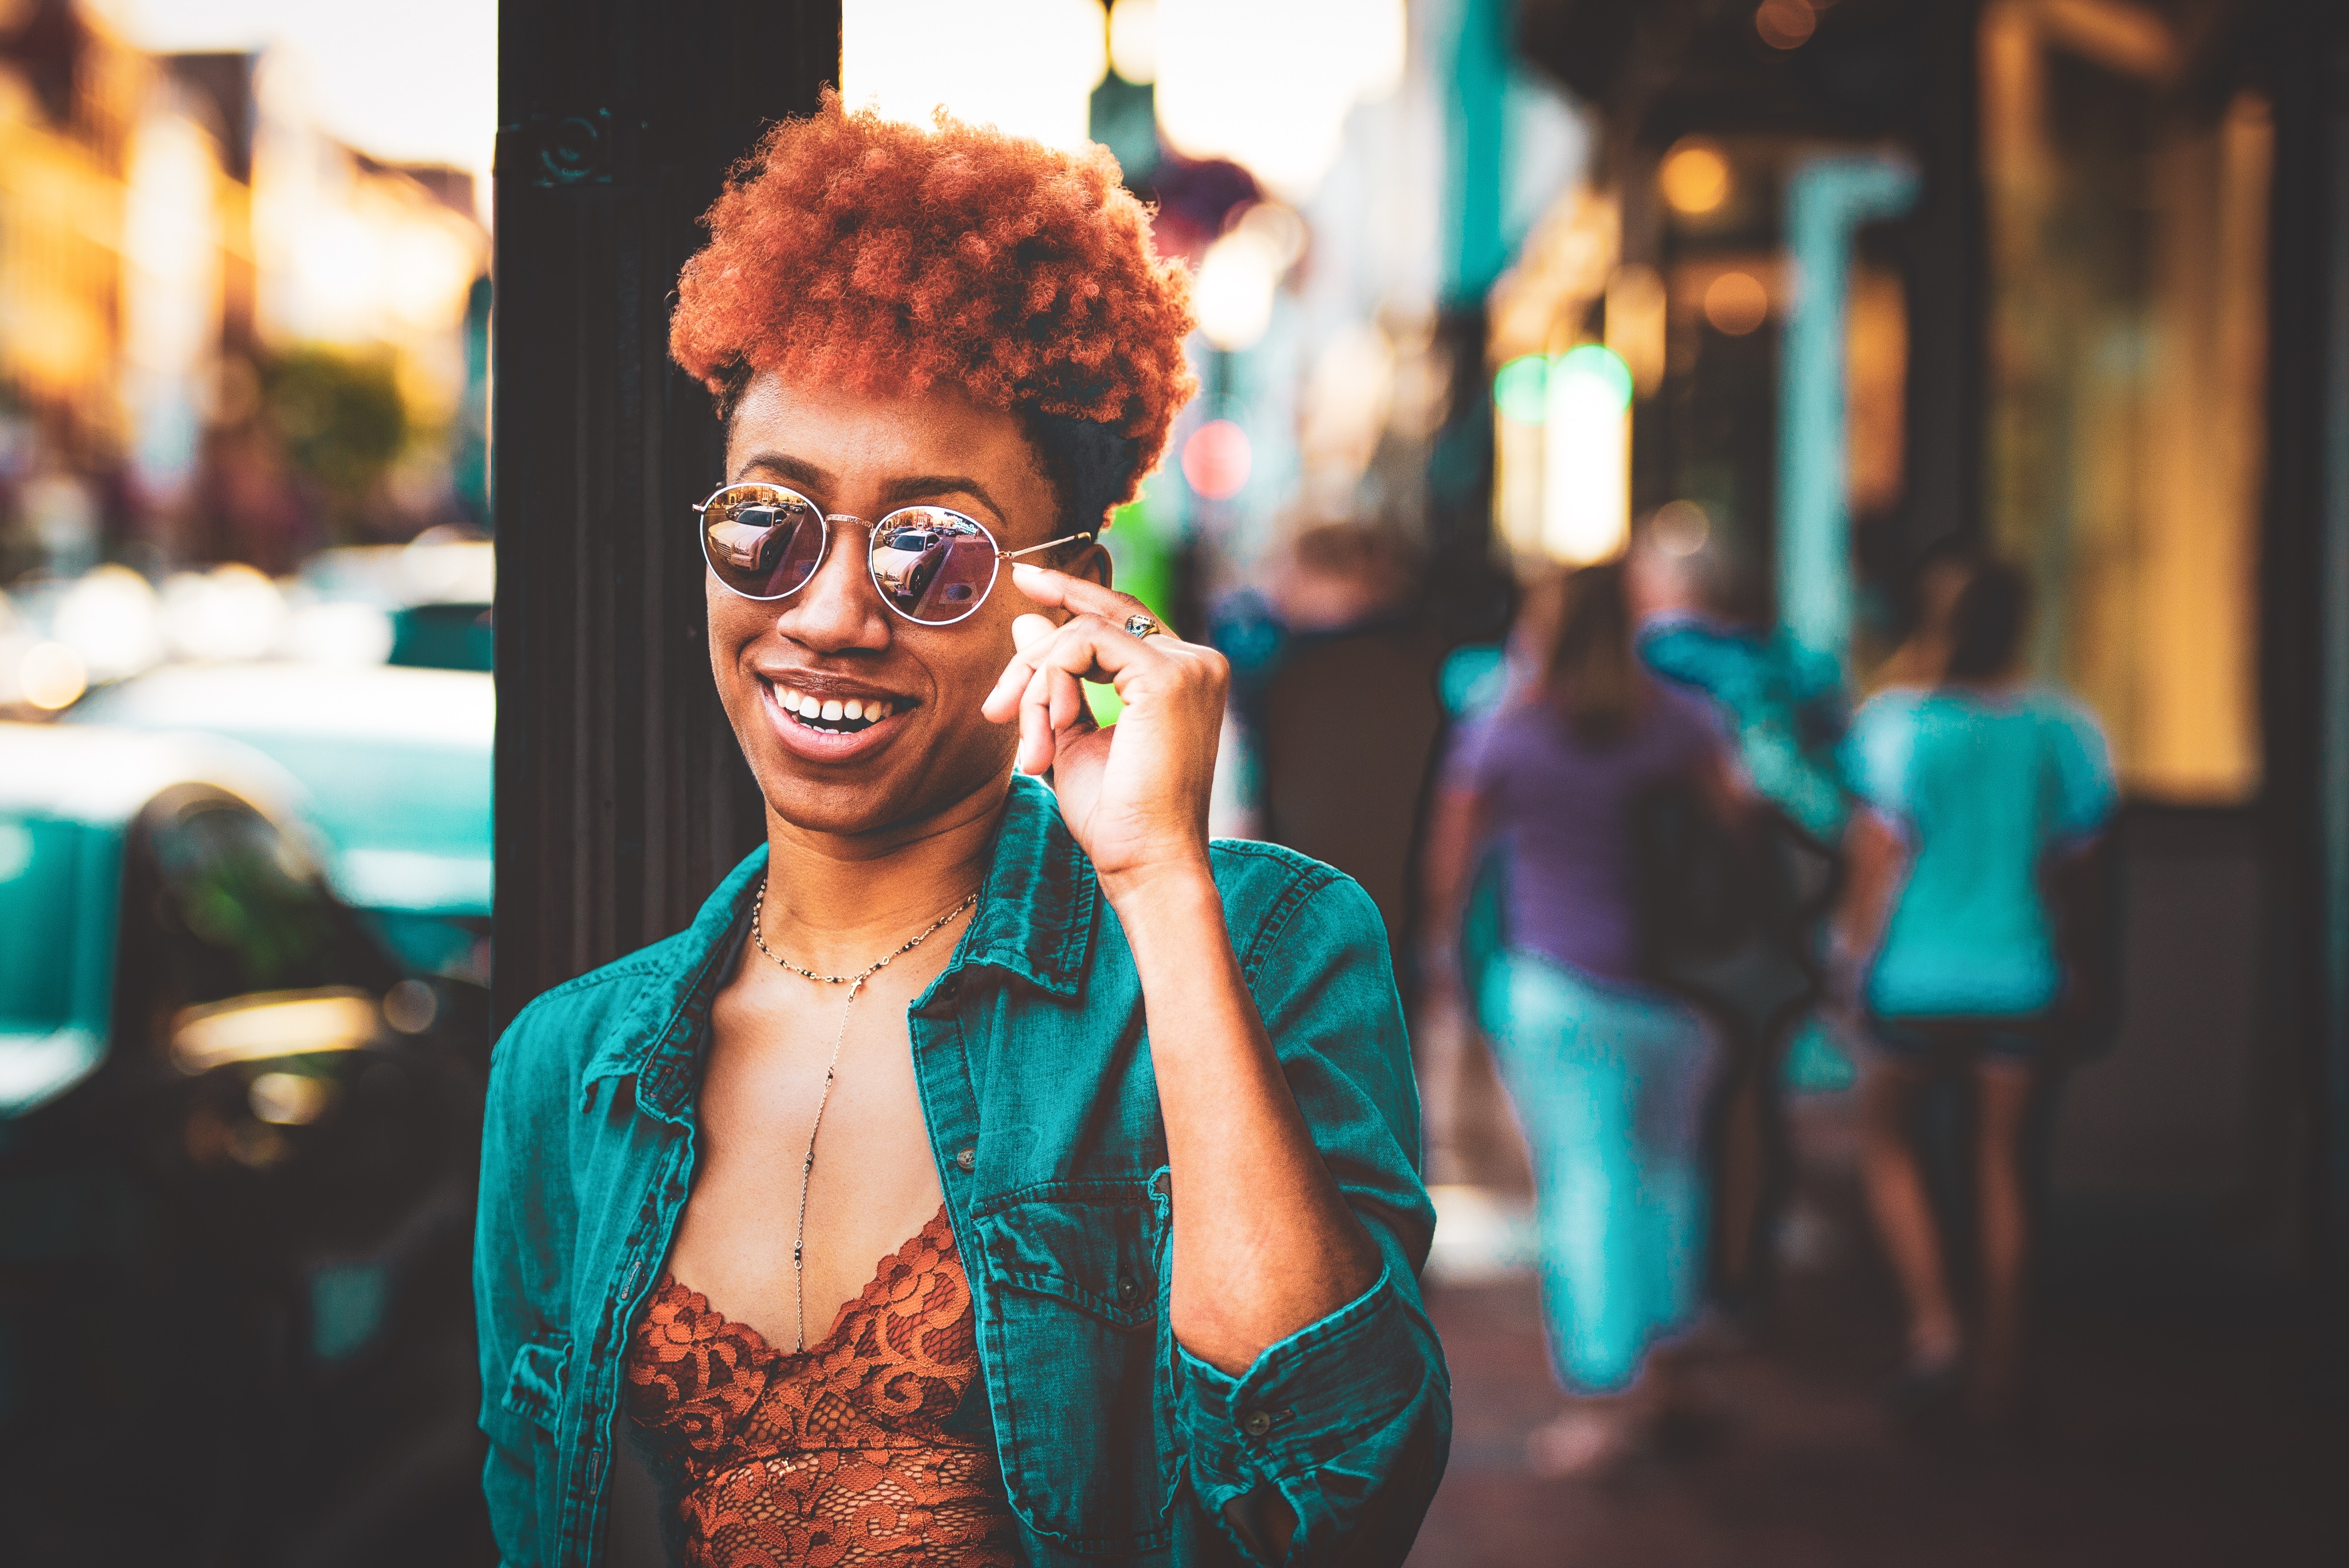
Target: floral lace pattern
(833, 1455)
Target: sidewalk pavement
(2171, 1428)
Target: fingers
(1050, 706)
(1041, 688)
(1059, 589)
(1036, 747)
(1027, 632)
(1085, 646)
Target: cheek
(975, 660)
(731, 627)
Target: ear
(1092, 563)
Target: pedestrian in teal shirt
(1975, 792)
(1126, 1118)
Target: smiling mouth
(834, 715)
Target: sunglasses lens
(933, 567)
(762, 541)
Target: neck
(837, 901)
(1986, 685)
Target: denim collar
(1034, 920)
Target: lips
(822, 717)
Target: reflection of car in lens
(904, 560)
(750, 540)
(237, 1146)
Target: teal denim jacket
(1042, 1112)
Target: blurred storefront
(1851, 279)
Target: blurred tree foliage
(341, 421)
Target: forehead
(868, 442)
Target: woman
(1126, 1121)
(1947, 941)
(1608, 1077)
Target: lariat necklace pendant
(855, 983)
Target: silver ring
(1143, 625)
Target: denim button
(966, 1159)
(1256, 1423)
(1126, 1289)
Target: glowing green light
(1521, 388)
(1599, 366)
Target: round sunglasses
(932, 564)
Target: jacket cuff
(1325, 1416)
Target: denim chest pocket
(1073, 1344)
(534, 1384)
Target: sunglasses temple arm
(1047, 545)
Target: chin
(886, 772)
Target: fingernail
(1019, 567)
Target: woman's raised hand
(1134, 794)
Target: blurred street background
(1784, 302)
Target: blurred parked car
(238, 1139)
(393, 766)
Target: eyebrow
(897, 491)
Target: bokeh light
(1027, 66)
(113, 618)
(1521, 388)
(1694, 177)
(1785, 24)
(1232, 292)
(1268, 86)
(52, 676)
(1736, 303)
(1133, 39)
(232, 612)
(1217, 458)
(1679, 529)
(1608, 378)
(1637, 329)
(1587, 456)
(288, 1100)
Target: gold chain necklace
(855, 983)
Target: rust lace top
(833, 1455)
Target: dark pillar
(2304, 614)
(1948, 263)
(620, 794)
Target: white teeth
(853, 709)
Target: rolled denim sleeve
(1349, 1419)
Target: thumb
(1028, 630)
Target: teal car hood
(394, 764)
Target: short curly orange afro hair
(858, 251)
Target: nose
(838, 610)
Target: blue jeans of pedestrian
(1609, 1082)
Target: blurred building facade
(224, 337)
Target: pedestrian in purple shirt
(1608, 1074)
